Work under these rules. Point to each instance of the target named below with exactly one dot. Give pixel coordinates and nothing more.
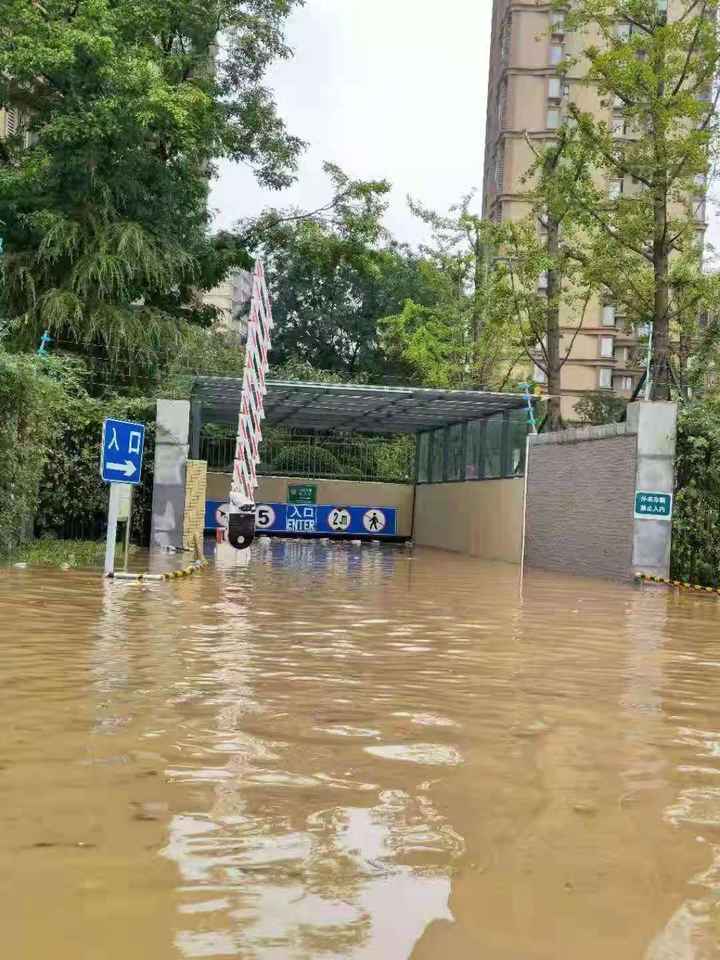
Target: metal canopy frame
(353, 408)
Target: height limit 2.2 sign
(122, 451)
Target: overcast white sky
(389, 89)
(392, 89)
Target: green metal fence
(389, 460)
(480, 450)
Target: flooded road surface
(345, 752)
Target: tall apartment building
(232, 299)
(526, 100)
(8, 122)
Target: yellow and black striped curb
(680, 584)
(188, 571)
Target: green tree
(332, 275)
(26, 432)
(696, 520)
(644, 216)
(594, 409)
(458, 337)
(123, 109)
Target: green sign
(302, 493)
(653, 506)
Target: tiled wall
(195, 496)
(581, 487)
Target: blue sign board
(122, 451)
(314, 519)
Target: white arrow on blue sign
(122, 451)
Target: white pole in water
(128, 520)
(113, 510)
(524, 521)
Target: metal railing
(388, 460)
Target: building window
(619, 127)
(500, 167)
(506, 40)
(626, 384)
(502, 105)
(605, 378)
(607, 346)
(556, 54)
(623, 30)
(557, 21)
(553, 118)
(608, 315)
(11, 122)
(539, 374)
(554, 88)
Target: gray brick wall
(581, 486)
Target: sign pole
(128, 522)
(113, 510)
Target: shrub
(27, 400)
(696, 521)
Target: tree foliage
(599, 407)
(333, 274)
(652, 148)
(461, 335)
(26, 394)
(539, 282)
(696, 521)
(123, 110)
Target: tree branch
(577, 331)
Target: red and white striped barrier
(252, 405)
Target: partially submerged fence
(387, 460)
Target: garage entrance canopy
(353, 408)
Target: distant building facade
(527, 99)
(231, 298)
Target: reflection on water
(337, 751)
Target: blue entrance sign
(122, 451)
(316, 520)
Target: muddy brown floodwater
(345, 752)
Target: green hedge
(696, 522)
(50, 435)
(73, 498)
(27, 398)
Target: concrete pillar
(195, 428)
(656, 428)
(171, 456)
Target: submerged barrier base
(680, 584)
(170, 575)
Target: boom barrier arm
(241, 518)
